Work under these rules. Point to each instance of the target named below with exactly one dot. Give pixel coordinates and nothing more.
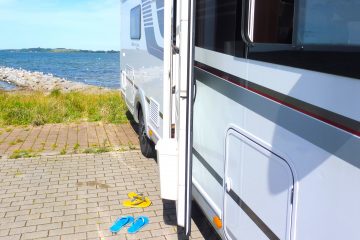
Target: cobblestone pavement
(66, 138)
(79, 196)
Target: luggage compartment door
(258, 190)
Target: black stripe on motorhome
(145, 8)
(146, 11)
(252, 215)
(212, 171)
(147, 15)
(347, 124)
(135, 86)
(146, 3)
(332, 139)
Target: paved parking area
(67, 138)
(79, 196)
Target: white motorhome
(253, 108)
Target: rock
(41, 81)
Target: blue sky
(78, 24)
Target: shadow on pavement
(132, 122)
(205, 228)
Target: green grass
(63, 151)
(76, 146)
(23, 154)
(16, 142)
(37, 108)
(97, 150)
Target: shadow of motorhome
(201, 222)
(132, 122)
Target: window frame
(295, 49)
(295, 45)
(265, 46)
(138, 7)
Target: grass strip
(37, 108)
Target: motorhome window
(215, 27)
(271, 21)
(326, 37)
(135, 23)
(329, 22)
(173, 27)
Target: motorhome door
(182, 49)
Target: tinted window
(216, 22)
(325, 37)
(272, 21)
(329, 22)
(135, 23)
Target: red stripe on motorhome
(231, 79)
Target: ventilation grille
(154, 112)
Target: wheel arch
(140, 104)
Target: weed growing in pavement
(18, 173)
(12, 143)
(23, 154)
(97, 150)
(63, 151)
(76, 146)
(131, 146)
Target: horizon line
(4, 49)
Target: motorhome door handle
(175, 49)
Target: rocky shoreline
(38, 81)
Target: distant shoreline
(56, 50)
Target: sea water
(99, 69)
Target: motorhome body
(275, 127)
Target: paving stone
(49, 226)
(34, 235)
(61, 231)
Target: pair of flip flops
(137, 201)
(136, 224)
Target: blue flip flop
(120, 223)
(139, 223)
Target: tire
(146, 145)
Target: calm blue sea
(100, 69)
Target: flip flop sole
(120, 223)
(138, 224)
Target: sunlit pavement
(67, 138)
(79, 196)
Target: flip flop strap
(138, 199)
(142, 221)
